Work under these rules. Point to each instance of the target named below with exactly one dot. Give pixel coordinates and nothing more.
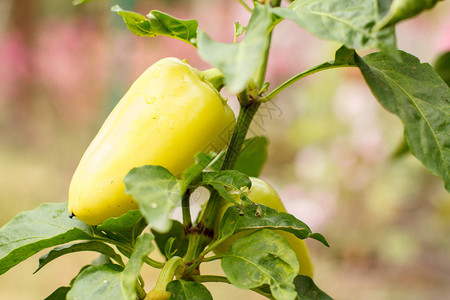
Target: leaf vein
(436, 140)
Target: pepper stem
(172, 266)
(214, 77)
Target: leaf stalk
(172, 266)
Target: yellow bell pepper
(261, 192)
(169, 114)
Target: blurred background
(331, 153)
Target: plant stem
(129, 249)
(166, 276)
(269, 296)
(203, 234)
(246, 114)
(195, 244)
(210, 278)
(187, 222)
(212, 258)
(212, 246)
(201, 259)
(133, 234)
(261, 74)
(215, 278)
(321, 67)
(245, 5)
(140, 291)
(243, 98)
(276, 3)
(168, 271)
(153, 263)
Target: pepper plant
(260, 259)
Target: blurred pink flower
(71, 60)
(443, 38)
(316, 209)
(15, 66)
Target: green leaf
(251, 160)
(191, 173)
(227, 183)
(168, 249)
(124, 228)
(103, 260)
(238, 30)
(32, 231)
(102, 282)
(383, 7)
(85, 246)
(343, 57)
(188, 290)
(130, 274)
(318, 237)
(238, 62)
(232, 179)
(159, 23)
(350, 22)
(262, 257)
(258, 216)
(404, 9)
(157, 191)
(79, 2)
(421, 99)
(59, 294)
(100, 260)
(307, 290)
(109, 281)
(253, 155)
(442, 67)
(180, 243)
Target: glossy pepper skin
(169, 114)
(261, 192)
